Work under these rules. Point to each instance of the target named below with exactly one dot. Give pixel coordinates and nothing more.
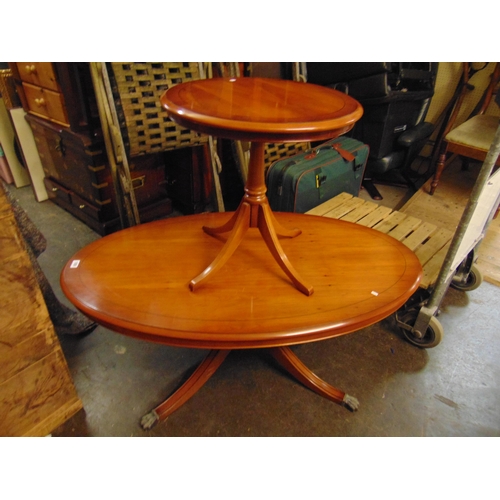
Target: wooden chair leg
(439, 170)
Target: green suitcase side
(304, 181)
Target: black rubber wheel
(432, 337)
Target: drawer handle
(31, 69)
(81, 207)
(138, 182)
(40, 101)
(54, 189)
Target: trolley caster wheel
(473, 280)
(432, 336)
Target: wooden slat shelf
(429, 242)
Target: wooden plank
(360, 212)
(14, 358)
(34, 401)
(419, 235)
(435, 243)
(405, 228)
(12, 246)
(329, 205)
(375, 217)
(390, 222)
(433, 267)
(426, 239)
(446, 206)
(345, 208)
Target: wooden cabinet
(62, 112)
(36, 391)
(41, 74)
(46, 103)
(43, 96)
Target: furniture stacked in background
(36, 391)
(470, 139)
(61, 107)
(11, 170)
(395, 98)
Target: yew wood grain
(136, 282)
(261, 109)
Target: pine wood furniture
(138, 281)
(36, 390)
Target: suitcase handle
(346, 155)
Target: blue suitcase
(305, 180)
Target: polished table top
(139, 281)
(261, 109)
(136, 282)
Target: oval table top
(261, 109)
(136, 281)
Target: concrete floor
(450, 390)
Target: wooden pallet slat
(438, 240)
(429, 242)
(408, 225)
(358, 213)
(390, 222)
(432, 268)
(419, 236)
(345, 208)
(323, 209)
(373, 218)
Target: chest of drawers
(61, 109)
(42, 92)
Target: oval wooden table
(259, 110)
(136, 282)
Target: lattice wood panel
(274, 152)
(139, 87)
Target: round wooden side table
(259, 110)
